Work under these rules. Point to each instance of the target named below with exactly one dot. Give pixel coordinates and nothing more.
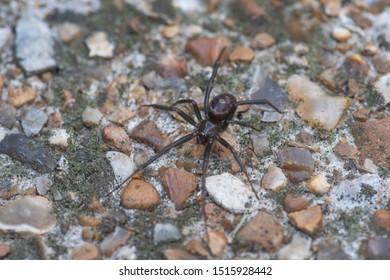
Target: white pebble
(99, 45)
(121, 164)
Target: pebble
(263, 41)
(329, 249)
(206, 50)
(376, 248)
(172, 66)
(356, 66)
(370, 49)
(5, 249)
(260, 142)
(89, 221)
(86, 252)
(345, 150)
(297, 163)
(332, 79)
(91, 116)
(361, 115)
(178, 254)
(7, 115)
(121, 115)
(341, 34)
(217, 242)
(373, 140)
(5, 37)
(33, 121)
(59, 137)
(369, 166)
(179, 185)
(69, 32)
(294, 203)
(27, 214)
(165, 233)
(140, 195)
(121, 164)
(242, 53)
(297, 249)
(230, 193)
(382, 62)
(332, 8)
(315, 106)
(115, 240)
(99, 45)
(170, 31)
(116, 137)
(318, 184)
(264, 231)
(21, 96)
(175, 83)
(147, 132)
(21, 148)
(274, 179)
(252, 10)
(309, 220)
(195, 246)
(382, 86)
(34, 44)
(43, 184)
(381, 219)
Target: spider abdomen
(220, 106)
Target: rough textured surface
(308, 220)
(139, 195)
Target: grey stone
(260, 142)
(43, 184)
(165, 233)
(33, 121)
(7, 115)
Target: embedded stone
(345, 150)
(309, 220)
(69, 31)
(121, 164)
(99, 45)
(206, 50)
(295, 159)
(178, 254)
(381, 219)
(382, 86)
(5, 249)
(318, 185)
(117, 138)
(147, 132)
(341, 34)
(262, 41)
(217, 242)
(172, 66)
(293, 203)
(139, 195)
(86, 252)
(361, 114)
(297, 249)
(274, 179)
(165, 233)
(121, 115)
(376, 248)
(91, 116)
(20, 96)
(242, 53)
(195, 246)
(115, 240)
(7, 114)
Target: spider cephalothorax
(218, 114)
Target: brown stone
(206, 50)
(55, 120)
(242, 53)
(318, 184)
(113, 93)
(178, 254)
(20, 96)
(332, 79)
(263, 41)
(69, 32)
(361, 114)
(293, 203)
(295, 159)
(121, 115)
(5, 249)
(382, 63)
(356, 66)
(147, 132)
(178, 184)
(216, 241)
(195, 246)
(341, 34)
(2, 81)
(382, 219)
(345, 150)
(89, 221)
(373, 140)
(362, 21)
(172, 66)
(212, 5)
(376, 248)
(355, 88)
(370, 49)
(139, 195)
(117, 138)
(309, 220)
(264, 231)
(170, 31)
(274, 179)
(69, 100)
(86, 252)
(115, 240)
(252, 10)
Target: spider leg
(194, 105)
(244, 124)
(206, 157)
(169, 147)
(173, 109)
(211, 81)
(242, 166)
(259, 102)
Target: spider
(218, 115)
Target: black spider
(218, 115)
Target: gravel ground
(73, 77)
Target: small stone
(170, 31)
(165, 233)
(43, 184)
(362, 21)
(318, 184)
(264, 231)
(263, 41)
(252, 10)
(195, 246)
(99, 45)
(260, 142)
(376, 249)
(230, 23)
(91, 116)
(5, 37)
(315, 106)
(216, 241)
(274, 179)
(382, 86)
(297, 249)
(382, 219)
(356, 66)
(69, 32)
(293, 203)
(332, 7)
(86, 252)
(117, 138)
(7, 114)
(341, 34)
(369, 166)
(242, 53)
(139, 195)
(115, 240)
(5, 249)
(361, 114)
(172, 66)
(178, 254)
(370, 49)
(33, 121)
(147, 132)
(309, 220)
(295, 159)
(332, 79)
(373, 140)
(20, 96)
(206, 50)
(382, 63)
(345, 150)
(179, 185)
(329, 249)
(89, 221)
(121, 164)
(27, 214)
(59, 137)
(55, 120)
(121, 115)
(230, 192)
(21, 148)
